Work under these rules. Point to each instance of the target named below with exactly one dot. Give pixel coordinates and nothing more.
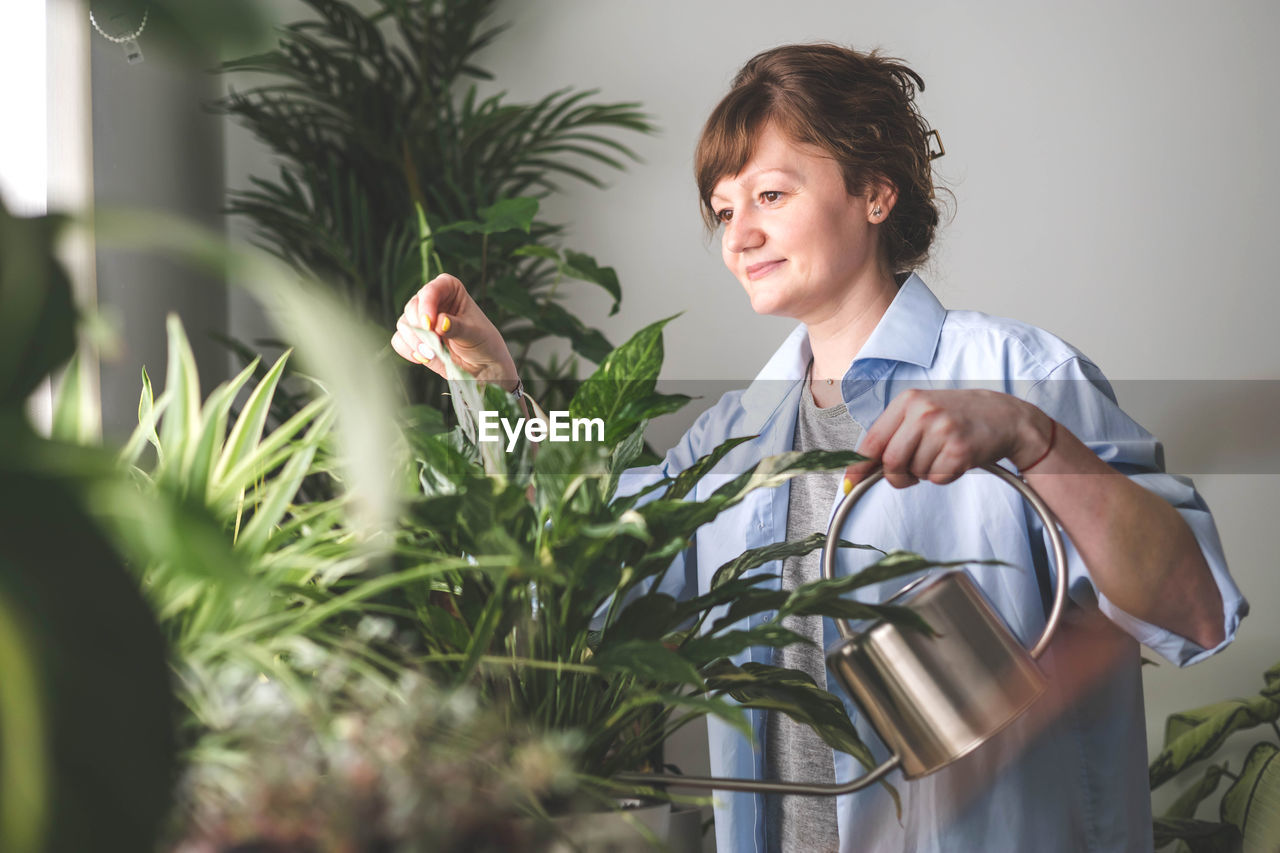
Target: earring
(876, 212)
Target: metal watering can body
(931, 699)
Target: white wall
(1112, 166)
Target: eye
(770, 196)
(724, 215)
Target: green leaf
(727, 711)
(510, 214)
(426, 243)
(757, 685)
(710, 647)
(533, 250)
(71, 422)
(213, 430)
(627, 374)
(1252, 803)
(275, 500)
(1193, 735)
(272, 450)
(585, 268)
(679, 486)
(149, 412)
(37, 314)
(649, 660)
(649, 617)
(756, 557)
(248, 426)
(23, 755)
(1200, 836)
(1189, 800)
(182, 419)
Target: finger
(444, 293)
(856, 473)
(420, 354)
(404, 349)
(899, 455)
(925, 458)
(877, 438)
(952, 461)
(413, 313)
(411, 338)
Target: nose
(741, 233)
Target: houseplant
(563, 624)
(502, 586)
(371, 113)
(1249, 808)
(86, 741)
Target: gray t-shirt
(792, 751)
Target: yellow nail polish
(846, 486)
(425, 321)
(444, 325)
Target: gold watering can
(930, 699)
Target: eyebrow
(756, 175)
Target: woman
(816, 167)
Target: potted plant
(370, 111)
(557, 617)
(1249, 809)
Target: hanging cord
(121, 39)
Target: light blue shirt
(1072, 774)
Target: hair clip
(934, 155)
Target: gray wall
(155, 146)
(1112, 174)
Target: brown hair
(857, 107)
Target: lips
(763, 268)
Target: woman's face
(793, 236)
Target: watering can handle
(1042, 510)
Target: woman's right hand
(444, 306)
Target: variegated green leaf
(150, 410)
(1252, 803)
(180, 426)
(1193, 735)
(242, 441)
(213, 429)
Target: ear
(882, 195)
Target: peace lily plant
(556, 617)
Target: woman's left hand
(938, 435)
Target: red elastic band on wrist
(1053, 434)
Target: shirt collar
(908, 332)
(910, 327)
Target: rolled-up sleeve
(1076, 394)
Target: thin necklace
(808, 375)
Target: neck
(838, 335)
